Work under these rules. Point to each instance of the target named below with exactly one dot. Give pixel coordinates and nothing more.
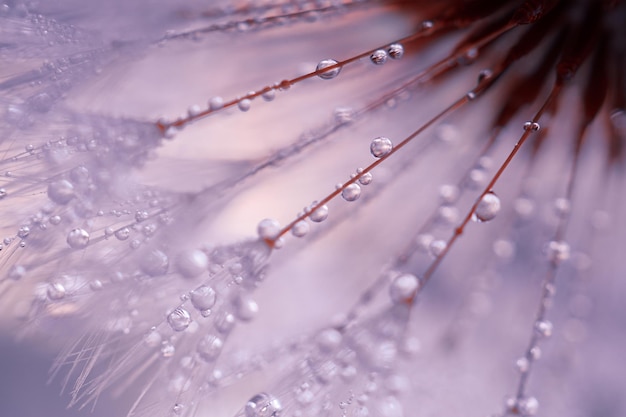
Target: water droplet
(449, 193)
(61, 192)
(562, 207)
(122, 234)
(263, 405)
(193, 111)
(78, 239)
(522, 365)
(155, 263)
(543, 328)
(23, 232)
(304, 395)
(380, 147)
(245, 307)
(244, 105)
(531, 126)
(153, 338)
(330, 73)
(17, 272)
(216, 103)
(56, 291)
(437, 247)
(396, 51)
(203, 297)
(300, 229)
(423, 241)
(3, 193)
(268, 229)
(167, 349)
(269, 95)
(192, 263)
(351, 193)
(488, 207)
(179, 319)
(224, 322)
(320, 214)
(557, 251)
(403, 288)
(379, 57)
(209, 347)
(329, 339)
(528, 406)
(535, 353)
(447, 215)
(366, 178)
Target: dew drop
(528, 406)
(403, 288)
(3, 193)
(56, 291)
(330, 73)
(329, 339)
(320, 214)
(269, 95)
(300, 229)
(380, 147)
(531, 127)
(268, 229)
(203, 298)
(192, 263)
(379, 57)
(167, 349)
(155, 263)
(209, 347)
(557, 251)
(244, 105)
(179, 319)
(123, 233)
(487, 208)
(263, 405)
(352, 192)
(449, 193)
(152, 339)
(216, 103)
(366, 178)
(245, 308)
(437, 247)
(224, 322)
(61, 192)
(23, 232)
(396, 51)
(543, 328)
(78, 239)
(522, 365)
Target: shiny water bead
(366, 178)
(449, 193)
(203, 297)
(380, 147)
(304, 395)
(23, 232)
(167, 349)
(437, 247)
(531, 126)
(269, 95)
(488, 207)
(395, 51)
(543, 328)
(320, 214)
(379, 57)
(78, 239)
(209, 347)
(557, 251)
(192, 263)
(123, 233)
(522, 365)
(268, 229)
(423, 241)
(245, 307)
(216, 103)
(61, 192)
(153, 338)
(56, 291)
(447, 214)
(328, 340)
(194, 110)
(224, 322)
(244, 105)
(155, 263)
(141, 215)
(300, 229)
(477, 178)
(3, 193)
(263, 405)
(403, 288)
(562, 207)
(535, 352)
(352, 192)
(179, 319)
(528, 406)
(328, 74)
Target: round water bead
(437, 247)
(203, 297)
(543, 328)
(396, 51)
(209, 347)
(557, 251)
(352, 192)
(300, 229)
(320, 214)
(192, 263)
(179, 319)
(449, 193)
(330, 73)
(329, 339)
(78, 239)
(531, 126)
(379, 57)
(268, 229)
(365, 179)
(245, 307)
(522, 365)
(224, 322)
(263, 405)
(123, 233)
(216, 103)
(56, 291)
(403, 288)
(61, 192)
(244, 105)
(528, 406)
(380, 147)
(155, 263)
(487, 208)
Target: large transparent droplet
(209, 347)
(245, 308)
(379, 57)
(396, 51)
(352, 192)
(179, 319)
(192, 263)
(330, 73)
(487, 208)
(78, 239)
(268, 229)
(320, 214)
(61, 192)
(263, 405)
(380, 147)
(155, 263)
(403, 288)
(203, 297)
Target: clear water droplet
(366, 178)
(167, 349)
(328, 74)
(543, 328)
(320, 214)
(224, 322)
(155, 263)
(78, 239)
(380, 147)
(403, 288)
(379, 57)
(209, 347)
(245, 307)
(557, 251)
(437, 247)
(203, 298)
(61, 192)
(488, 207)
(396, 51)
(300, 229)
(179, 319)
(192, 263)
(268, 229)
(263, 405)
(244, 105)
(56, 291)
(531, 126)
(352, 192)
(123, 233)
(216, 103)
